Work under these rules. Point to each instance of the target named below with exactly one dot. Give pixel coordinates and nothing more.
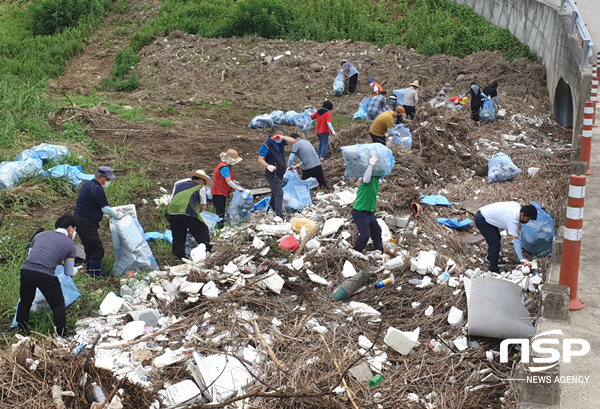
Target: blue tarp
(537, 235)
(454, 223)
(435, 200)
(73, 173)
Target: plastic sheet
(69, 290)
(356, 158)
(277, 117)
(399, 93)
(29, 154)
(296, 193)
(12, 172)
(454, 223)
(501, 168)
(261, 121)
(537, 235)
(363, 107)
(403, 137)
(487, 113)
(132, 252)
(239, 208)
(303, 122)
(338, 84)
(262, 205)
(211, 220)
(73, 173)
(48, 152)
(434, 200)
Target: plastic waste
(47, 152)
(501, 168)
(211, 220)
(351, 285)
(277, 117)
(12, 172)
(300, 222)
(72, 173)
(363, 107)
(403, 136)
(487, 112)
(303, 122)
(288, 118)
(289, 243)
(356, 158)
(537, 235)
(399, 93)
(262, 205)
(338, 84)
(132, 252)
(389, 280)
(29, 154)
(454, 223)
(442, 278)
(94, 393)
(239, 208)
(434, 200)
(261, 121)
(296, 192)
(376, 380)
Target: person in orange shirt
(376, 87)
(324, 128)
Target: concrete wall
(546, 32)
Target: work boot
(94, 269)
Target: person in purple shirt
(48, 249)
(352, 74)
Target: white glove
(77, 270)
(120, 215)
(271, 168)
(373, 160)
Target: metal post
(562, 6)
(586, 51)
(573, 22)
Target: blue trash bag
(296, 192)
(454, 223)
(69, 290)
(277, 117)
(73, 173)
(154, 235)
(537, 235)
(303, 122)
(262, 205)
(239, 208)
(169, 236)
(402, 136)
(487, 113)
(434, 200)
(261, 121)
(211, 220)
(399, 93)
(30, 154)
(12, 172)
(132, 252)
(48, 153)
(288, 118)
(339, 83)
(363, 107)
(501, 168)
(356, 158)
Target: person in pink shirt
(324, 128)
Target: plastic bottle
(351, 285)
(144, 201)
(375, 381)
(95, 394)
(389, 280)
(442, 278)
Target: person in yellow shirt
(383, 122)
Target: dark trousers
(377, 139)
(492, 237)
(475, 112)
(180, 224)
(50, 287)
(220, 201)
(317, 173)
(87, 230)
(276, 184)
(352, 83)
(367, 226)
(410, 111)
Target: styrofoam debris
(425, 282)
(190, 288)
(276, 229)
(298, 263)
(455, 316)
(138, 375)
(415, 304)
(364, 342)
(394, 263)
(386, 235)
(316, 278)
(339, 390)
(199, 253)
(461, 343)
(258, 243)
(402, 341)
(168, 358)
(429, 311)
(210, 290)
(313, 244)
(230, 268)
(412, 397)
(314, 325)
(111, 304)
(424, 262)
(348, 270)
(332, 226)
(376, 362)
(274, 283)
(345, 197)
(184, 392)
(133, 330)
(361, 309)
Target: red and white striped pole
(594, 96)
(586, 135)
(569, 265)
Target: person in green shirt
(363, 213)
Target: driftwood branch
(266, 346)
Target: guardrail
(577, 22)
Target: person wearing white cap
(183, 215)
(351, 73)
(224, 183)
(411, 99)
(394, 102)
(91, 205)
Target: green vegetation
(47, 17)
(429, 26)
(122, 78)
(165, 123)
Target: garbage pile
(292, 118)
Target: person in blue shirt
(272, 157)
(91, 206)
(378, 105)
(352, 74)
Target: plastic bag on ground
(73, 173)
(262, 205)
(239, 208)
(261, 121)
(288, 118)
(277, 117)
(338, 84)
(69, 289)
(47, 152)
(303, 122)
(12, 172)
(403, 136)
(30, 154)
(454, 223)
(434, 200)
(132, 252)
(356, 158)
(296, 193)
(537, 235)
(211, 220)
(363, 107)
(501, 168)
(487, 113)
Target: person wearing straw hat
(183, 215)
(411, 99)
(375, 86)
(224, 183)
(91, 206)
(352, 74)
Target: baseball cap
(106, 172)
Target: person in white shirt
(502, 215)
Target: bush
(263, 18)
(48, 17)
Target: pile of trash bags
(537, 235)
(356, 158)
(501, 168)
(292, 118)
(296, 192)
(132, 252)
(363, 107)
